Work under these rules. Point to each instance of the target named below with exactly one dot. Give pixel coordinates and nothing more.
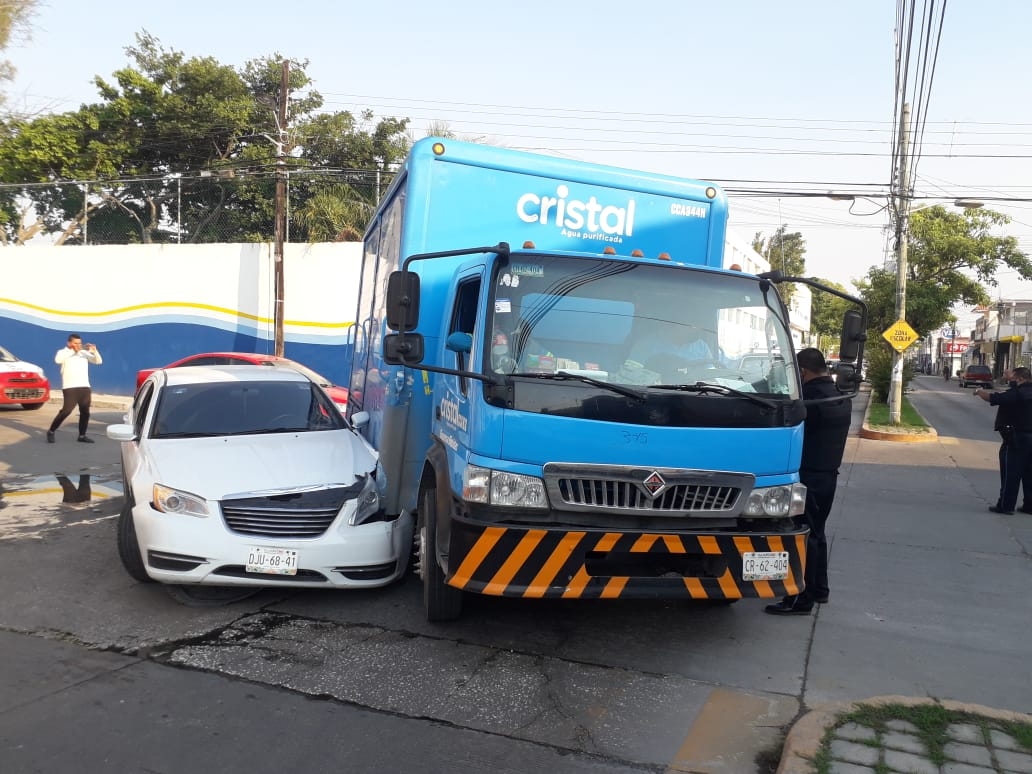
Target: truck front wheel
(441, 602)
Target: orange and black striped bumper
(562, 563)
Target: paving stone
(969, 753)
(908, 763)
(965, 732)
(904, 726)
(852, 752)
(1012, 760)
(1004, 741)
(841, 767)
(953, 767)
(856, 732)
(906, 742)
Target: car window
(140, 405)
(242, 408)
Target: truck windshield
(645, 325)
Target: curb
(805, 737)
(98, 401)
(889, 435)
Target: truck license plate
(764, 565)
(271, 561)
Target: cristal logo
(564, 212)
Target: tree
(14, 21)
(784, 252)
(826, 314)
(186, 149)
(951, 257)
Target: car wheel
(441, 602)
(128, 547)
(32, 406)
(209, 596)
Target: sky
(784, 97)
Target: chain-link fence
(319, 206)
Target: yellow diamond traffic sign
(900, 335)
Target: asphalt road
(929, 598)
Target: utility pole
(280, 216)
(902, 229)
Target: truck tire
(441, 602)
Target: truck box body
(644, 472)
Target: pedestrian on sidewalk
(1014, 423)
(75, 359)
(824, 442)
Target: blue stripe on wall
(131, 348)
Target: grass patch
(878, 416)
(932, 722)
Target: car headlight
(367, 504)
(776, 501)
(496, 487)
(169, 500)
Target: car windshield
(6, 356)
(243, 408)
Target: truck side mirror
(403, 301)
(853, 335)
(404, 349)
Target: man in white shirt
(75, 361)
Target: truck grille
(646, 491)
(305, 514)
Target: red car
(22, 383)
(339, 395)
(978, 375)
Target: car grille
(304, 514)
(645, 491)
(24, 393)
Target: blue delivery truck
(570, 394)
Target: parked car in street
(978, 375)
(337, 393)
(243, 477)
(22, 383)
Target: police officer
(1014, 421)
(824, 441)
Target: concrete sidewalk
(872, 736)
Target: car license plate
(271, 561)
(764, 565)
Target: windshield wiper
(719, 389)
(562, 376)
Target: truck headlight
(496, 487)
(169, 500)
(776, 501)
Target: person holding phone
(75, 359)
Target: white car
(243, 477)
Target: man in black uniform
(824, 441)
(1014, 421)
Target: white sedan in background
(244, 477)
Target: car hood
(20, 366)
(215, 468)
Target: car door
(139, 413)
